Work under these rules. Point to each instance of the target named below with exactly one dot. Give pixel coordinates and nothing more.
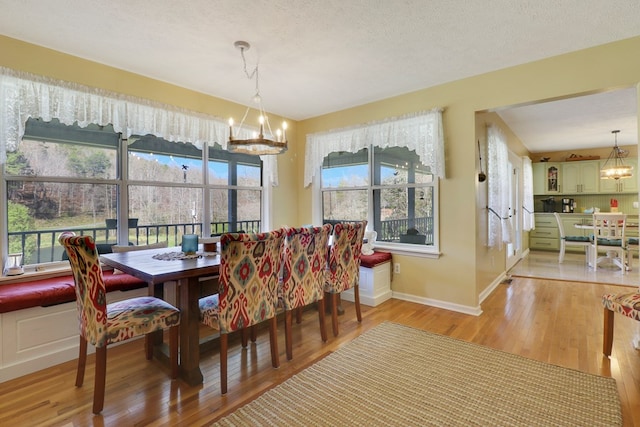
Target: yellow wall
(460, 274)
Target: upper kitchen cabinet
(546, 178)
(581, 177)
(625, 185)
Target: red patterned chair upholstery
(626, 303)
(249, 272)
(304, 265)
(102, 324)
(344, 266)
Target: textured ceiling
(316, 56)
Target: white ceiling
(576, 123)
(323, 56)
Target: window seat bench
(39, 320)
(375, 279)
(56, 290)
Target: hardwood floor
(551, 321)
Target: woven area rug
(400, 376)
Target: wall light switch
(635, 205)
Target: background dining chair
(303, 269)
(609, 236)
(565, 240)
(343, 272)
(625, 303)
(633, 246)
(102, 324)
(249, 273)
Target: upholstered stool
(626, 303)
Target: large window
(388, 186)
(141, 190)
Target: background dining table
(187, 272)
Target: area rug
(394, 375)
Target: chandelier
(259, 143)
(614, 167)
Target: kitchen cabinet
(626, 185)
(581, 177)
(546, 178)
(546, 234)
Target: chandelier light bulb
(230, 128)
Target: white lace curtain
(528, 219)
(499, 209)
(24, 95)
(421, 132)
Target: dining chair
(609, 236)
(625, 303)
(343, 272)
(102, 324)
(582, 241)
(633, 246)
(304, 263)
(248, 295)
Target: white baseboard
(371, 301)
(465, 309)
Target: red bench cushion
(374, 259)
(56, 290)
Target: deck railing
(42, 245)
(393, 230)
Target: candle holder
(189, 244)
(209, 244)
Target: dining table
(588, 225)
(157, 266)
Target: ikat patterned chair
(102, 324)
(249, 273)
(626, 303)
(304, 265)
(343, 272)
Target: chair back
(609, 229)
(560, 225)
(304, 263)
(91, 294)
(249, 272)
(344, 256)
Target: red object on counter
(614, 203)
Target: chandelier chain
(254, 73)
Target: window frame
(430, 251)
(123, 183)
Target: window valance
(24, 95)
(421, 132)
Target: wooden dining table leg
(156, 337)
(189, 331)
